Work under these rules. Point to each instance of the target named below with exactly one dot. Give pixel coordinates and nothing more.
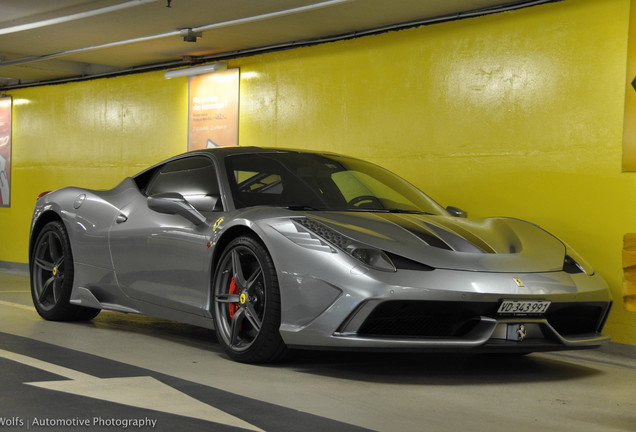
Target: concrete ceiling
(50, 41)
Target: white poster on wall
(213, 110)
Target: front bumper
(460, 314)
(421, 332)
(445, 326)
(329, 300)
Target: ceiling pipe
(296, 10)
(283, 45)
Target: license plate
(523, 307)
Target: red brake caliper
(234, 289)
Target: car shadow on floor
(189, 335)
(438, 368)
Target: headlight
(574, 263)
(373, 257)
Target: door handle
(121, 218)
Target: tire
(247, 303)
(52, 276)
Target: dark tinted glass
(306, 180)
(193, 177)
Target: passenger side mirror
(205, 203)
(456, 212)
(174, 203)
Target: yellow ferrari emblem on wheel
(54, 271)
(243, 298)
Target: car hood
(490, 244)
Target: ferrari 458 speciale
(279, 249)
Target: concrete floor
(121, 368)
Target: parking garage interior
(516, 109)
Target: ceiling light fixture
(197, 70)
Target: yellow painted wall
(516, 114)
(89, 134)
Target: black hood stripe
(456, 241)
(420, 230)
(428, 238)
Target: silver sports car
(279, 249)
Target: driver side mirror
(174, 203)
(456, 212)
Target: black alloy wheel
(247, 303)
(52, 276)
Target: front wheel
(52, 276)
(247, 303)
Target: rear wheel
(247, 303)
(52, 276)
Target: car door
(161, 258)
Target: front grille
(424, 319)
(572, 319)
(439, 319)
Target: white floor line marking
(141, 392)
(49, 367)
(17, 305)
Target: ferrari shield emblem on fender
(217, 223)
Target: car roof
(221, 153)
(228, 151)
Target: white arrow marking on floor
(141, 392)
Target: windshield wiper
(385, 210)
(399, 210)
(302, 207)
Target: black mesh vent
(325, 232)
(432, 319)
(572, 319)
(424, 319)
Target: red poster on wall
(213, 110)
(5, 151)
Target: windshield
(307, 181)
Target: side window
(193, 177)
(142, 179)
